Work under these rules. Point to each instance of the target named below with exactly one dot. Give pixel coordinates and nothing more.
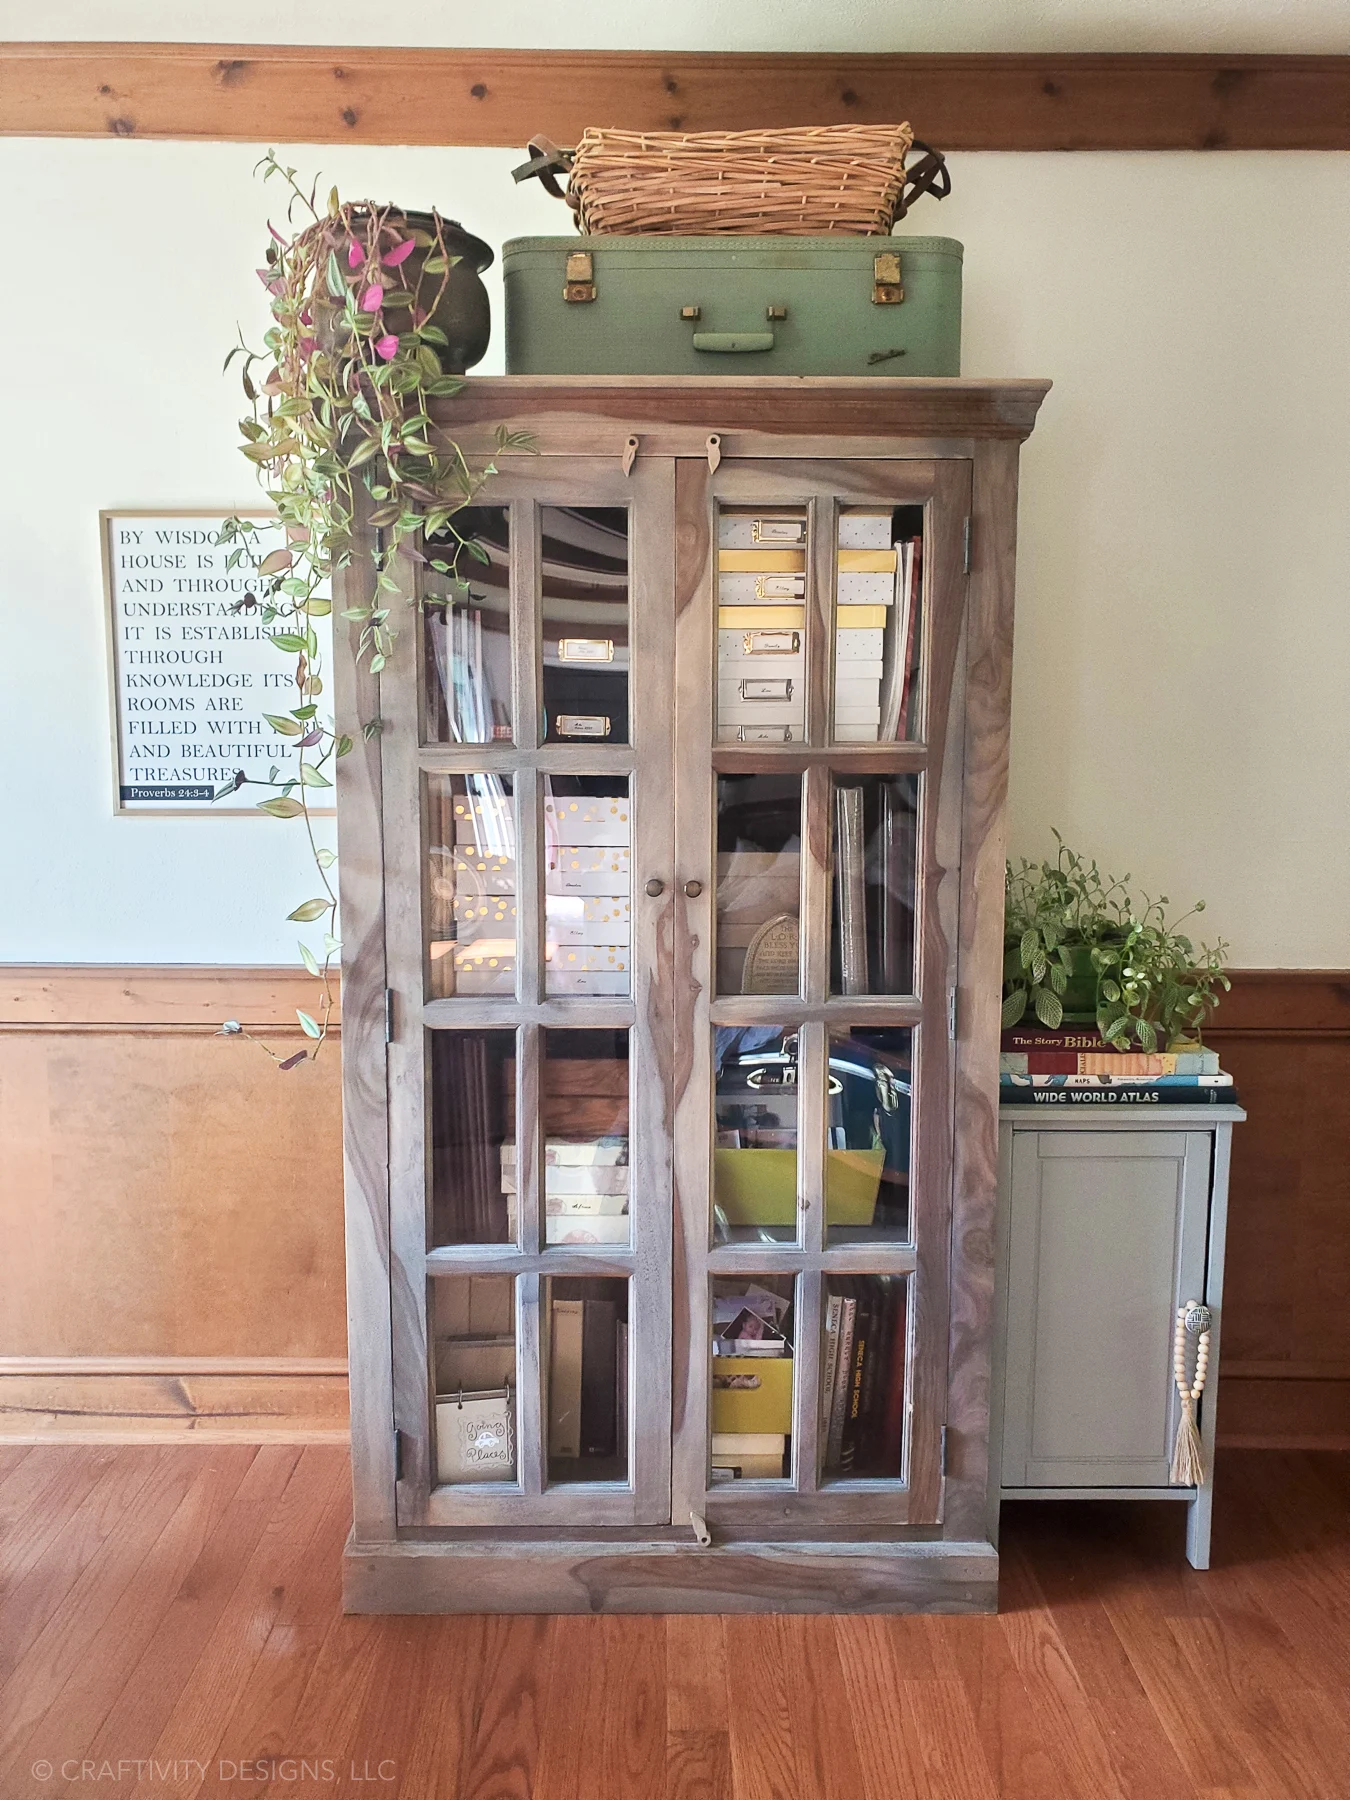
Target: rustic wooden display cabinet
(672, 911)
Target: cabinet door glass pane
(867, 1152)
(466, 617)
(759, 861)
(471, 885)
(584, 575)
(863, 1361)
(584, 1088)
(875, 828)
(755, 1143)
(877, 624)
(761, 625)
(473, 1323)
(473, 1132)
(588, 831)
(751, 1378)
(588, 1370)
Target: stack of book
(875, 826)
(761, 593)
(878, 581)
(584, 1102)
(588, 1380)
(863, 1375)
(751, 1382)
(1071, 1066)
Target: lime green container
(660, 305)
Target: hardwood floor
(178, 1608)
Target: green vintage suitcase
(650, 305)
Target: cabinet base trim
(589, 1577)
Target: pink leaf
(387, 346)
(308, 346)
(420, 317)
(275, 233)
(400, 253)
(356, 254)
(373, 298)
(266, 276)
(306, 317)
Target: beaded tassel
(1188, 1466)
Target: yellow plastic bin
(759, 1187)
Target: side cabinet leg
(1198, 1515)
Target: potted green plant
(375, 312)
(1080, 948)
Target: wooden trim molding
(127, 1400)
(321, 95)
(153, 996)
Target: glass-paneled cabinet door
(527, 755)
(817, 856)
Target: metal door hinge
(951, 1013)
(398, 1454)
(886, 285)
(389, 1015)
(965, 548)
(942, 1450)
(579, 284)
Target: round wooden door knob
(656, 887)
(693, 889)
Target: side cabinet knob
(656, 887)
(693, 889)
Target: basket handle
(546, 163)
(930, 175)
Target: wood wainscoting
(171, 1207)
(172, 1210)
(1285, 1036)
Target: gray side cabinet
(1107, 1225)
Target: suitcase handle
(733, 342)
(930, 175)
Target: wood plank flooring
(170, 1626)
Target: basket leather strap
(930, 175)
(546, 163)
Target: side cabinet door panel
(1107, 1236)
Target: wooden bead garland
(1188, 1466)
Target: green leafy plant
(339, 397)
(1067, 924)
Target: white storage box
(761, 590)
(586, 958)
(586, 821)
(859, 587)
(862, 528)
(859, 644)
(597, 983)
(754, 648)
(586, 870)
(487, 967)
(857, 691)
(749, 530)
(476, 876)
(761, 734)
(588, 919)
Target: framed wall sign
(193, 670)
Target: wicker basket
(808, 183)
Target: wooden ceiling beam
(287, 94)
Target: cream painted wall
(1229, 25)
(1183, 650)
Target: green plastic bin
(660, 305)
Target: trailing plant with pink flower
(339, 395)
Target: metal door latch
(580, 278)
(886, 285)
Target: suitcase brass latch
(886, 287)
(580, 279)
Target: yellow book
(752, 1393)
(866, 562)
(851, 618)
(764, 561)
(775, 618)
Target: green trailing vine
(1152, 985)
(339, 396)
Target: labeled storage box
(594, 870)
(731, 305)
(752, 1393)
(595, 822)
